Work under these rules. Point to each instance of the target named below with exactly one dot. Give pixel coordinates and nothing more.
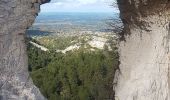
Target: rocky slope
(15, 17)
(144, 72)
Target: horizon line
(78, 12)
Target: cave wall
(15, 17)
(144, 71)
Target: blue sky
(79, 6)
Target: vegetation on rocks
(77, 75)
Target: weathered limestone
(144, 72)
(144, 53)
(15, 17)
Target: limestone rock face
(15, 17)
(144, 72)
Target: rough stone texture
(144, 72)
(15, 17)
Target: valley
(72, 63)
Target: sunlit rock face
(144, 72)
(15, 17)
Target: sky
(79, 6)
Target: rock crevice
(144, 55)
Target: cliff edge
(15, 17)
(144, 72)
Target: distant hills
(69, 22)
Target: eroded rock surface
(15, 17)
(145, 51)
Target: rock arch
(144, 53)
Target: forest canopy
(76, 75)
